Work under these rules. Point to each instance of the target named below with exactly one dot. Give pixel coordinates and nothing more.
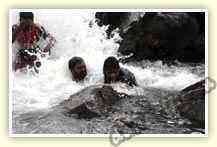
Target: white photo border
(11, 134)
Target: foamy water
(78, 35)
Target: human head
(78, 68)
(26, 18)
(111, 70)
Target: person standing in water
(77, 68)
(30, 39)
(114, 73)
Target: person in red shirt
(31, 39)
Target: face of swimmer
(26, 19)
(79, 72)
(78, 69)
(112, 75)
(111, 70)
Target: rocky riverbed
(99, 109)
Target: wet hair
(73, 61)
(27, 15)
(110, 63)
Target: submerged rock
(191, 103)
(117, 113)
(91, 101)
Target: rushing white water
(75, 37)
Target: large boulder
(91, 101)
(200, 17)
(191, 103)
(165, 36)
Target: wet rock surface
(129, 114)
(165, 36)
(191, 103)
(92, 101)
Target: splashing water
(78, 35)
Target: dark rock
(113, 19)
(166, 36)
(191, 103)
(200, 17)
(91, 101)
